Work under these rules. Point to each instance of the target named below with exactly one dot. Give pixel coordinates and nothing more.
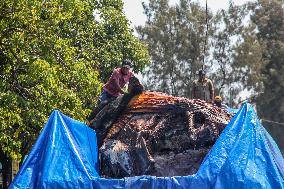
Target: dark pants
(104, 99)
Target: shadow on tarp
(66, 156)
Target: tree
(268, 18)
(115, 41)
(229, 30)
(54, 55)
(180, 42)
(175, 36)
(248, 61)
(259, 60)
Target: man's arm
(114, 79)
(211, 90)
(193, 90)
(116, 82)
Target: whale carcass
(156, 134)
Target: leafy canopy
(55, 54)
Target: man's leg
(104, 99)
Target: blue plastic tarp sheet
(232, 110)
(65, 156)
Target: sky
(134, 11)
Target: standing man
(203, 88)
(118, 79)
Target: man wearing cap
(118, 79)
(202, 88)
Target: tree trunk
(6, 169)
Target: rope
(270, 121)
(206, 35)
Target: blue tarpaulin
(232, 110)
(66, 156)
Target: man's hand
(122, 91)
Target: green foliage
(54, 55)
(248, 61)
(175, 36)
(229, 27)
(242, 52)
(115, 41)
(258, 63)
(178, 44)
(268, 18)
